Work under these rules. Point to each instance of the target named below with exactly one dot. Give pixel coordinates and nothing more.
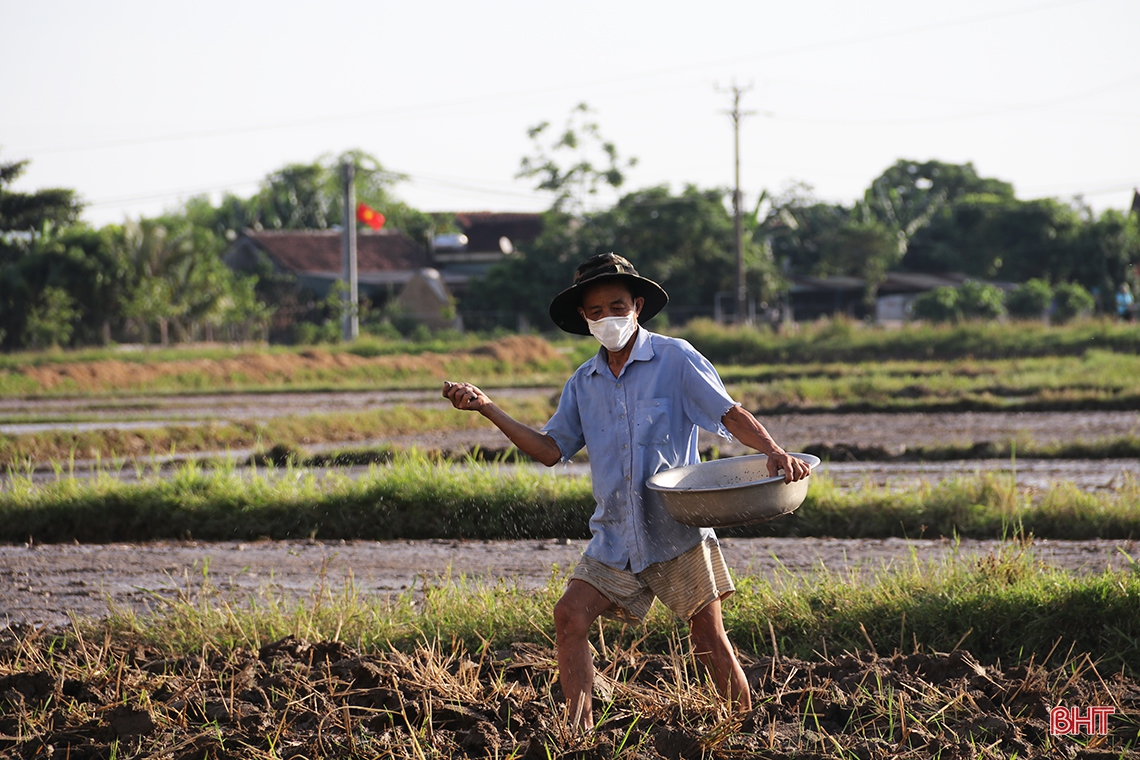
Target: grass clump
(1006, 605)
(980, 506)
(841, 340)
(418, 497)
(1095, 379)
(414, 497)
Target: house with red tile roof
(386, 260)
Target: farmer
(1125, 303)
(636, 406)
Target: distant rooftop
(313, 251)
(484, 228)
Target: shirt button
(627, 477)
(619, 385)
(623, 416)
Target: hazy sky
(139, 104)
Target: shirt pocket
(652, 418)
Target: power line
(546, 89)
(994, 111)
(159, 195)
(990, 109)
(462, 184)
(1101, 190)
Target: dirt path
(45, 583)
(891, 431)
(140, 411)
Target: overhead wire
(479, 187)
(545, 89)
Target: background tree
(576, 163)
(685, 242)
(29, 212)
(26, 219)
(867, 250)
(794, 226)
(77, 260)
(50, 320)
(907, 195)
(310, 196)
(990, 237)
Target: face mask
(614, 332)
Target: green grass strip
(846, 341)
(412, 498)
(415, 497)
(1004, 606)
(970, 506)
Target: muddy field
(294, 699)
(890, 431)
(300, 699)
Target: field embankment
(42, 429)
(362, 365)
(845, 341)
(825, 350)
(414, 497)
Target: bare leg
(713, 649)
(574, 613)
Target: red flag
(369, 216)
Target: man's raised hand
(465, 396)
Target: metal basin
(727, 492)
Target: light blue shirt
(635, 425)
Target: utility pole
(351, 323)
(738, 202)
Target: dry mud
(294, 699)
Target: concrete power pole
(737, 204)
(351, 323)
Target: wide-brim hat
(605, 266)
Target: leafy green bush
(1071, 300)
(980, 300)
(51, 320)
(1030, 299)
(970, 300)
(938, 305)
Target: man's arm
(748, 430)
(536, 445)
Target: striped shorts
(685, 584)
